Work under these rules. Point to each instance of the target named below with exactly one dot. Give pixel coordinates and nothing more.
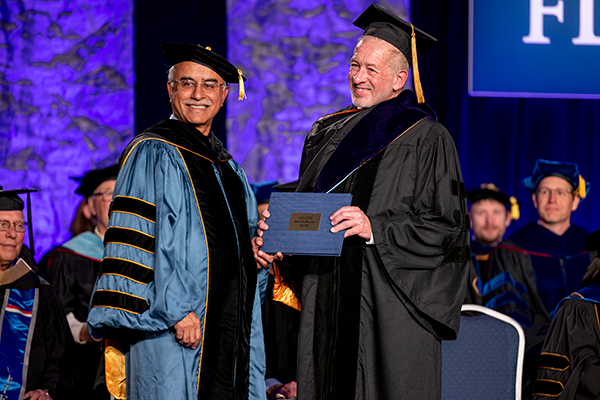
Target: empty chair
(486, 360)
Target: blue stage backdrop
(66, 105)
(296, 56)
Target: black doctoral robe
(528, 274)
(51, 345)
(73, 274)
(477, 270)
(569, 366)
(372, 318)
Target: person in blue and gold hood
(544, 261)
(570, 362)
(33, 329)
(491, 213)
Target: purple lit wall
(66, 101)
(295, 55)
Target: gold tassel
(581, 188)
(514, 208)
(242, 95)
(415, 63)
(208, 48)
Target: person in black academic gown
(373, 319)
(569, 367)
(491, 213)
(72, 269)
(34, 334)
(541, 263)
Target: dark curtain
(499, 139)
(156, 22)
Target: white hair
(171, 75)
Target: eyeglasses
(19, 225)
(561, 193)
(188, 85)
(106, 195)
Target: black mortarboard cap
(180, 52)
(92, 179)
(10, 201)
(490, 191)
(592, 242)
(381, 23)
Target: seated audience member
(541, 263)
(33, 330)
(490, 214)
(72, 269)
(569, 366)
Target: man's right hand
(286, 391)
(263, 259)
(188, 332)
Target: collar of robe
(383, 124)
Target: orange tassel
(415, 63)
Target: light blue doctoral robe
(155, 174)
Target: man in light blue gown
(178, 278)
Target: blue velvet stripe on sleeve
(501, 279)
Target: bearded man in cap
(72, 269)
(33, 328)
(491, 213)
(178, 267)
(542, 262)
(372, 319)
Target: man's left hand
(354, 220)
(188, 332)
(38, 394)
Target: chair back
(486, 359)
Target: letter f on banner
(537, 10)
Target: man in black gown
(33, 328)
(72, 269)
(491, 213)
(372, 319)
(542, 262)
(570, 362)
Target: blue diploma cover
(300, 224)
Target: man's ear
(534, 198)
(170, 90)
(400, 80)
(225, 93)
(575, 204)
(85, 210)
(508, 219)
(89, 209)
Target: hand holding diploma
(263, 259)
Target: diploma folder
(300, 224)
